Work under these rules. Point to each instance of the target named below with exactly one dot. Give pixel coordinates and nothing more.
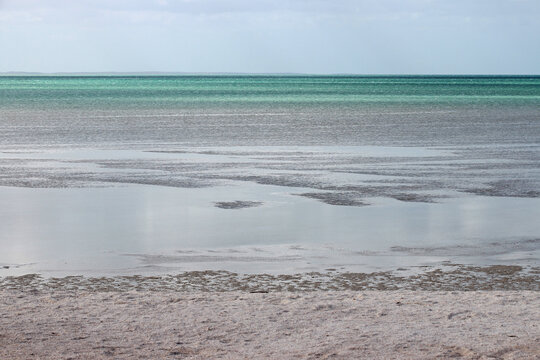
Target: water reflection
(90, 230)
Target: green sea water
(173, 92)
(268, 110)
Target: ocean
(267, 174)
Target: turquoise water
(251, 91)
(268, 110)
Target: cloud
(152, 11)
(19, 17)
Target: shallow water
(161, 229)
(152, 175)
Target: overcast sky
(271, 36)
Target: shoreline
(453, 278)
(399, 324)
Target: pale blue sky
(270, 36)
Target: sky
(271, 36)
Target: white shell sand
(401, 324)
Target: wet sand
(65, 324)
(452, 277)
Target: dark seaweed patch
(238, 204)
(459, 277)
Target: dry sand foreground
(282, 325)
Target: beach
(278, 325)
(469, 313)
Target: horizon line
(172, 73)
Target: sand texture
(62, 324)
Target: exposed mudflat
(338, 175)
(452, 278)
